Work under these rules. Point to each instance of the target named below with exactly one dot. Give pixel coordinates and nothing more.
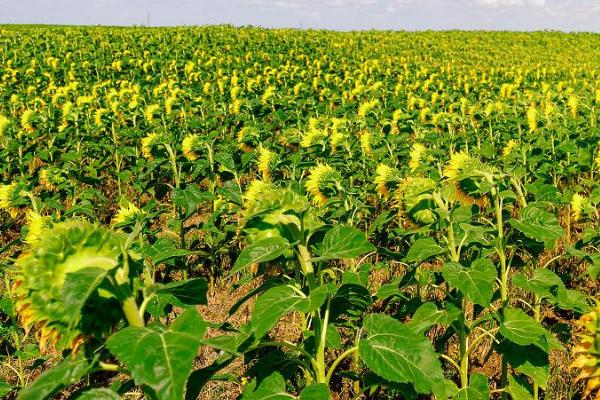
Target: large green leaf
(161, 358)
(344, 242)
(350, 300)
(539, 225)
(520, 328)
(393, 351)
(68, 372)
(99, 394)
(260, 251)
(422, 249)
(476, 282)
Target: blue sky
(566, 15)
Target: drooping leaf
(350, 300)
(422, 249)
(393, 351)
(344, 242)
(261, 251)
(476, 282)
(160, 358)
(5, 388)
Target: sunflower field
(243, 213)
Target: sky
(523, 15)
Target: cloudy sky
(566, 15)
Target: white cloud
(508, 3)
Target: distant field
(225, 213)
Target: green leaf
(476, 283)
(478, 389)
(190, 199)
(5, 388)
(350, 300)
(160, 358)
(422, 249)
(272, 388)
(272, 305)
(78, 287)
(539, 225)
(260, 251)
(315, 392)
(527, 360)
(189, 292)
(68, 372)
(519, 389)
(344, 242)
(520, 328)
(164, 251)
(393, 351)
(99, 394)
(429, 315)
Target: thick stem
(132, 314)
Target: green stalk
(321, 376)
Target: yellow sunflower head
(265, 161)
(190, 145)
(11, 198)
(128, 215)
(149, 143)
(416, 155)
(322, 181)
(384, 177)
(36, 226)
(414, 200)
(587, 352)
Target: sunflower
(148, 143)
(42, 273)
(4, 123)
(98, 114)
(319, 176)
(127, 215)
(151, 111)
(10, 198)
(265, 160)
(416, 154)
(468, 176)
(532, 118)
(414, 200)
(36, 226)
(365, 142)
(27, 120)
(384, 176)
(588, 352)
(508, 149)
(189, 146)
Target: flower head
(127, 215)
(149, 142)
(151, 111)
(36, 225)
(189, 146)
(4, 123)
(10, 198)
(320, 174)
(384, 175)
(416, 154)
(265, 159)
(508, 149)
